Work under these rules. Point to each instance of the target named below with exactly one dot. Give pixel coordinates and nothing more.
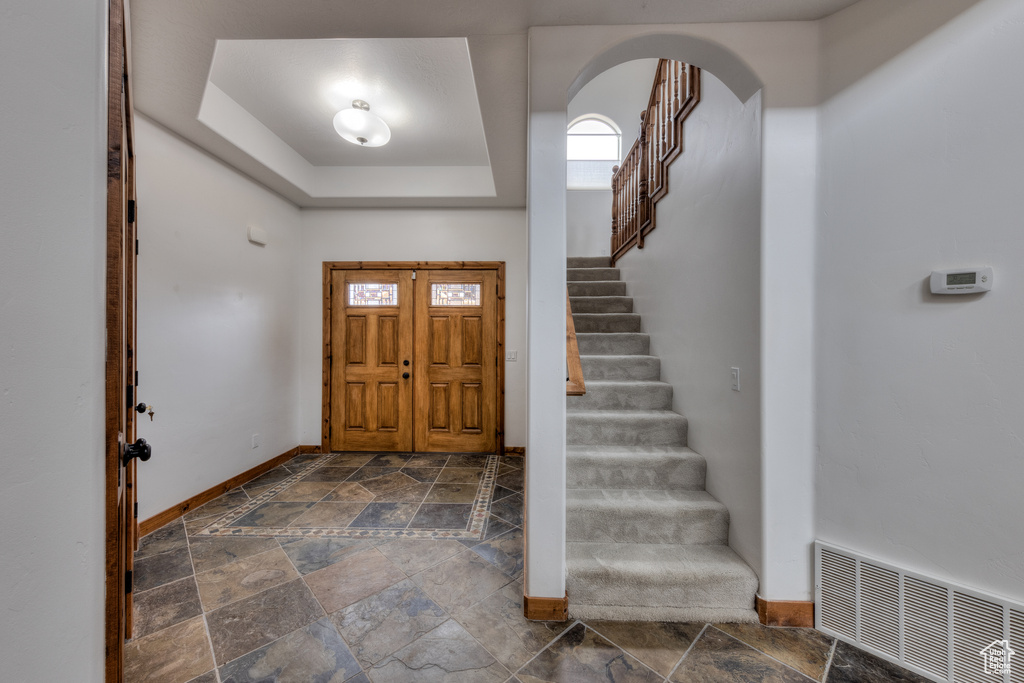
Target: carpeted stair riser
(606, 322)
(631, 581)
(625, 428)
(648, 467)
(613, 344)
(589, 262)
(597, 288)
(591, 274)
(645, 516)
(604, 395)
(639, 368)
(600, 304)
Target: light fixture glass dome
(360, 127)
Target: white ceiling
(271, 80)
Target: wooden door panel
(371, 401)
(457, 386)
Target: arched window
(593, 148)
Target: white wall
(781, 57)
(217, 332)
(52, 190)
(411, 235)
(920, 399)
(620, 93)
(697, 286)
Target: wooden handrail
(574, 384)
(642, 179)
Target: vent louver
(932, 627)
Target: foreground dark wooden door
(371, 356)
(456, 358)
(413, 356)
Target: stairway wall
(698, 287)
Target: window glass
(372, 294)
(460, 294)
(593, 147)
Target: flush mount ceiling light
(360, 127)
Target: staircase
(646, 542)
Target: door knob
(141, 408)
(405, 375)
(405, 362)
(140, 449)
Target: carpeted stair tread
(590, 274)
(597, 288)
(589, 262)
(622, 395)
(645, 516)
(613, 343)
(601, 304)
(635, 367)
(606, 322)
(627, 427)
(636, 467)
(633, 580)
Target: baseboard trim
(515, 450)
(172, 513)
(546, 609)
(785, 612)
(304, 450)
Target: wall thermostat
(961, 281)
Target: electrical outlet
(735, 379)
(255, 440)
(511, 356)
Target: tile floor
(331, 609)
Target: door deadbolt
(405, 362)
(405, 375)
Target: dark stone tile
(387, 482)
(165, 606)
(328, 515)
(498, 624)
(335, 474)
(460, 475)
(719, 658)
(804, 649)
(314, 653)
(379, 625)
(305, 492)
(495, 528)
(511, 480)
(385, 516)
(364, 473)
(451, 493)
(266, 480)
(177, 653)
(157, 570)
(432, 461)
(447, 654)
(353, 578)
(501, 492)
(208, 677)
(516, 462)
(851, 665)
(659, 645)
(253, 622)
(467, 461)
(245, 577)
(410, 494)
(350, 459)
(509, 509)
(272, 514)
(348, 492)
(219, 506)
(442, 516)
(389, 460)
(164, 540)
(504, 552)
(461, 581)
(580, 654)
(412, 555)
(210, 552)
(311, 554)
(423, 474)
(301, 460)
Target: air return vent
(932, 627)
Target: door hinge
(136, 378)
(136, 510)
(130, 393)
(136, 246)
(414, 275)
(131, 211)
(128, 581)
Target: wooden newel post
(615, 206)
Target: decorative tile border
(476, 529)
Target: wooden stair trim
(574, 384)
(794, 613)
(546, 609)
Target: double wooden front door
(412, 357)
